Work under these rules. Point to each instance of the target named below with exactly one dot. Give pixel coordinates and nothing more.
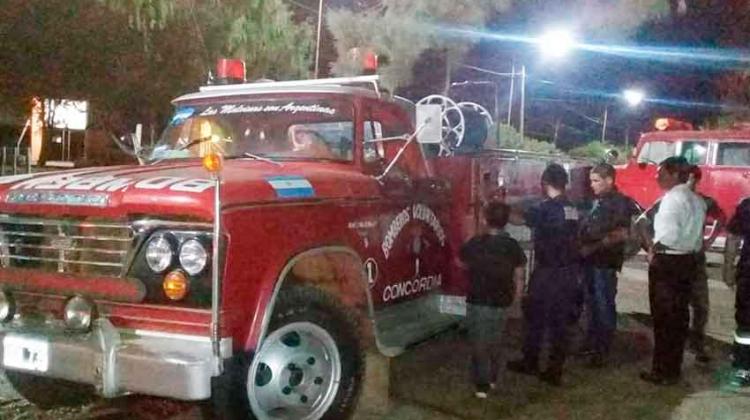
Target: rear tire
(308, 367)
(48, 393)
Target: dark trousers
(601, 289)
(670, 279)
(742, 317)
(699, 305)
(486, 325)
(551, 307)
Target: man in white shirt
(673, 267)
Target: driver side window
(378, 124)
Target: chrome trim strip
(334, 90)
(225, 342)
(216, 289)
(61, 260)
(55, 235)
(154, 223)
(54, 248)
(7, 219)
(335, 81)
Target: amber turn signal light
(175, 285)
(212, 162)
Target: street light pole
(317, 42)
(604, 123)
(510, 95)
(523, 101)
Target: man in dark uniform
(739, 229)
(603, 257)
(550, 301)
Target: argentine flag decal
(291, 186)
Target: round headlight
(193, 256)
(159, 254)
(78, 313)
(7, 307)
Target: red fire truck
(722, 155)
(329, 225)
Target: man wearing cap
(550, 301)
(673, 267)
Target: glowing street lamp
(556, 43)
(633, 97)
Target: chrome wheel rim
(295, 374)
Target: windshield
(280, 129)
(694, 151)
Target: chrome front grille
(67, 246)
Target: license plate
(26, 353)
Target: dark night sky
(576, 90)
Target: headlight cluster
(174, 257)
(162, 249)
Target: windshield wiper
(193, 142)
(261, 158)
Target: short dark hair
(677, 165)
(555, 176)
(496, 214)
(604, 170)
(696, 172)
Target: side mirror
(429, 124)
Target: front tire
(308, 367)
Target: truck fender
(267, 302)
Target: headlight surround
(159, 253)
(193, 256)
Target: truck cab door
(412, 212)
(729, 174)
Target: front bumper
(115, 362)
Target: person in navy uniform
(739, 229)
(550, 302)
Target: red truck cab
(722, 155)
(329, 230)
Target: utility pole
(523, 101)
(510, 95)
(317, 42)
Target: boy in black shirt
(495, 263)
